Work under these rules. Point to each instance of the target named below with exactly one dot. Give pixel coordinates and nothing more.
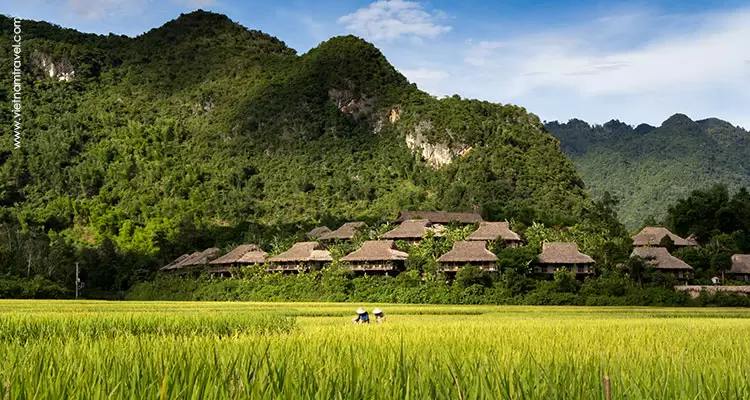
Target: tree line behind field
(720, 222)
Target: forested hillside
(649, 168)
(204, 133)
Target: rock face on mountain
(203, 120)
(649, 168)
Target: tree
(565, 281)
(636, 268)
(602, 215)
(667, 243)
(470, 275)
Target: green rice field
(184, 350)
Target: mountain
(648, 168)
(202, 132)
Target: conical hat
(377, 311)
(361, 310)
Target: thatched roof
(303, 252)
(563, 253)
(468, 251)
(253, 257)
(494, 231)
(652, 236)
(376, 250)
(740, 264)
(411, 229)
(251, 254)
(196, 258)
(187, 261)
(440, 217)
(203, 257)
(318, 232)
(176, 261)
(345, 232)
(661, 258)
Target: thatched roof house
(653, 235)
(557, 255)
(411, 230)
(496, 231)
(376, 255)
(468, 252)
(203, 257)
(318, 232)
(301, 256)
(440, 217)
(344, 232)
(662, 260)
(740, 267)
(175, 262)
(242, 255)
(195, 259)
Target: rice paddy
(183, 350)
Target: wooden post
(606, 388)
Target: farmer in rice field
(362, 317)
(379, 315)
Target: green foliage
(469, 275)
(707, 213)
(650, 168)
(203, 133)
(667, 243)
(36, 288)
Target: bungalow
(345, 232)
(376, 256)
(302, 256)
(740, 267)
(318, 232)
(411, 231)
(558, 255)
(473, 253)
(178, 260)
(496, 231)
(653, 235)
(663, 261)
(440, 217)
(245, 254)
(196, 259)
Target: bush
(36, 288)
(471, 286)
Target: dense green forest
(649, 168)
(203, 133)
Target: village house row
(382, 257)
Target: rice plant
(94, 350)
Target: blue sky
(636, 61)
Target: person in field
(379, 315)
(362, 317)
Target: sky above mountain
(595, 60)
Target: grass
(66, 349)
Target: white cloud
(392, 19)
(636, 67)
(98, 9)
(430, 80)
(101, 9)
(425, 74)
(711, 56)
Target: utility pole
(78, 281)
